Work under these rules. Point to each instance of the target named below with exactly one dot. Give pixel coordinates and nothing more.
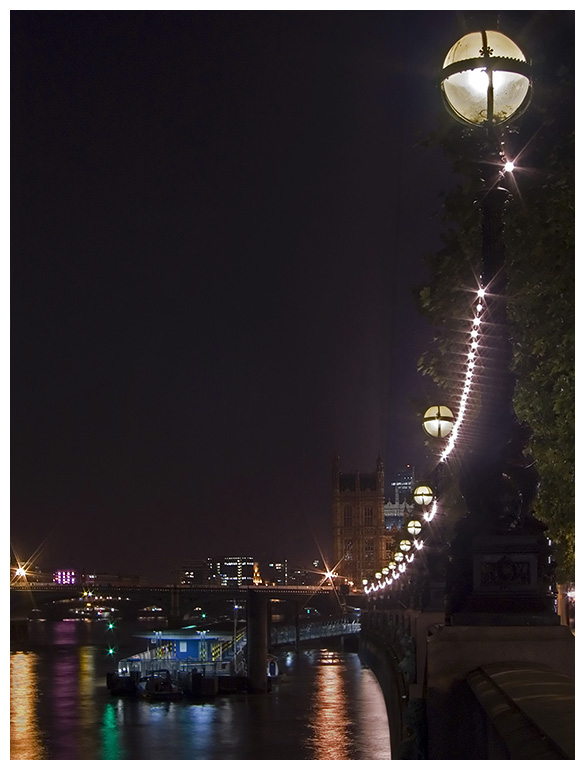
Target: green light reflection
(110, 748)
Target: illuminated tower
(361, 544)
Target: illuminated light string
(472, 357)
(471, 363)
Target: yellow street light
(485, 79)
(438, 421)
(414, 527)
(423, 495)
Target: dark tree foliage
(540, 263)
(541, 248)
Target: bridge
(176, 601)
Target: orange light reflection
(25, 739)
(329, 716)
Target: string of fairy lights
(438, 422)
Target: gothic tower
(361, 544)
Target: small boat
(158, 686)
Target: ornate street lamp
(500, 558)
(438, 421)
(414, 528)
(423, 495)
(486, 79)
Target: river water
(60, 707)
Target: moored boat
(158, 686)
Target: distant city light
(65, 577)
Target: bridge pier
(257, 642)
(175, 614)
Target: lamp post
(500, 566)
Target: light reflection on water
(25, 738)
(329, 714)
(61, 709)
(348, 717)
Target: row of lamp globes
(438, 422)
(423, 496)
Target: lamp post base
(500, 580)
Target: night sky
(217, 219)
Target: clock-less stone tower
(362, 545)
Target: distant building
(235, 570)
(401, 483)
(110, 579)
(362, 545)
(396, 516)
(65, 577)
(397, 510)
(220, 571)
(274, 572)
(304, 577)
(398, 505)
(197, 572)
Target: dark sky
(217, 219)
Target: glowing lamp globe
(423, 495)
(398, 557)
(485, 79)
(414, 527)
(392, 564)
(405, 545)
(438, 421)
(378, 575)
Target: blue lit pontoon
(194, 660)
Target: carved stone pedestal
(509, 579)
(500, 578)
